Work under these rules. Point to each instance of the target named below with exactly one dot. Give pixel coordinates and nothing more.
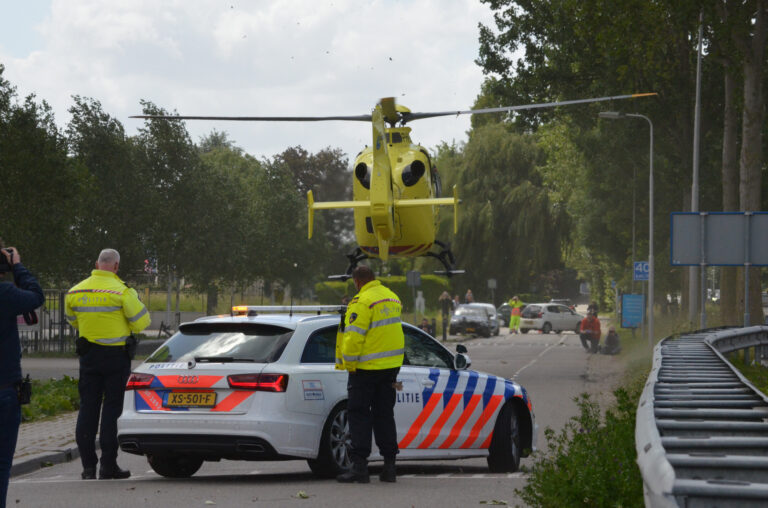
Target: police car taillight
(139, 381)
(259, 382)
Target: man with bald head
(106, 312)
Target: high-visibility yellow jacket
(517, 306)
(373, 332)
(105, 310)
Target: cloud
(292, 57)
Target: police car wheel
(523, 330)
(506, 449)
(174, 466)
(546, 328)
(333, 457)
(577, 330)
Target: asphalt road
(553, 368)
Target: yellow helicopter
(396, 188)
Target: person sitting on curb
(612, 346)
(590, 331)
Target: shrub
(591, 461)
(50, 398)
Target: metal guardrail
(702, 428)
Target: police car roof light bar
(254, 310)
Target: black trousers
(590, 344)
(104, 370)
(371, 408)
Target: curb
(41, 461)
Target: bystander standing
(22, 296)
(107, 313)
(371, 349)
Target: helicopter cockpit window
(363, 175)
(413, 172)
(395, 137)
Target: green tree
(575, 49)
(505, 206)
(227, 251)
(41, 189)
(168, 158)
(327, 174)
(114, 208)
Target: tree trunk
(213, 299)
(729, 292)
(752, 143)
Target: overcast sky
(257, 57)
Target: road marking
(539, 356)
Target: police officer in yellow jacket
(371, 349)
(106, 312)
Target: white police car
(259, 385)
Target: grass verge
(50, 398)
(591, 461)
(757, 374)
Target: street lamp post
(615, 115)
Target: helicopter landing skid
(445, 256)
(354, 258)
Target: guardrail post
(746, 356)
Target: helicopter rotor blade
(390, 114)
(355, 118)
(407, 117)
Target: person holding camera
(22, 297)
(106, 312)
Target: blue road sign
(632, 310)
(641, 270)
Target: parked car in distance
(564, 301)
(491, 310)
(504, 312)
(549, 317)
(470, 320)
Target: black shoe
(114, 474)
(388, 472)
(89, 473)
(358, 474)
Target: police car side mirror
(461, 348)
(461, 361)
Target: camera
(5, 266)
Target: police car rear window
(224, 342)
